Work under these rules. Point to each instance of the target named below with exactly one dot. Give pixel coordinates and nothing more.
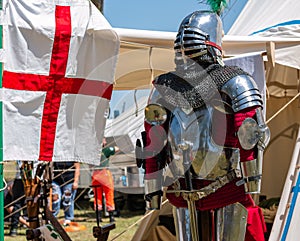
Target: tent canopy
(275, 19)
(268, 18)
(145, 54)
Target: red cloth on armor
(227, 195)
(156, 136)
(233, 123)
(256, 226)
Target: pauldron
(243, 92)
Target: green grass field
(86, 217)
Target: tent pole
(1, 150)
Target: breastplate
(192, 129)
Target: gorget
(191, 88)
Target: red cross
(55, 84)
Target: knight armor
(204, 136)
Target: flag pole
(1, 149)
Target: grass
(86, 216)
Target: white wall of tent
(145, 54)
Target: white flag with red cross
(60, 59)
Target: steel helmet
(199, 34)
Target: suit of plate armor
(204, 139)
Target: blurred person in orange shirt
(103, 182)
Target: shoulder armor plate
(243, 92)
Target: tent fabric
(278, 153)
(149, 228)
(127, 127)
(145, 54)
(258, 24)
(57, 80)
(270, 17)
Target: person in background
(9, 206)
(15, 195)
(64, 188)
(103, 179)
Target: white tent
(268, 18)
(274, 19)
(127, 127)
(151, 53)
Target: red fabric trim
(156, 137)
(227, 195)
(233, 123)
(224, 196)
(56, 84)
(213, 44)
(245, 155)
(256, 226)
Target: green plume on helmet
(217, 6)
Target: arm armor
(243, 92)
(253, 134)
